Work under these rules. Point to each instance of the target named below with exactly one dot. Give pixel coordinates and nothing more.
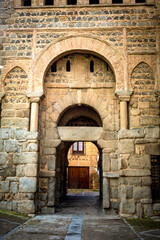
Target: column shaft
(123, 115)
(34, 117)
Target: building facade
(84, 71)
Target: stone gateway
(84, 71)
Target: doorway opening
(81, 180)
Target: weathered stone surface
(5, 133)
(52, 134)
(146, 181)
(3, 158)
(49, 143)
(148, 210)
(51, 192)
(106, 163)
(127, 206)
(52, 163)
(142, 193)
(20, 171)
(27, 184)
(80, 133)
(135, 173)
(139, 210)
(6, 205)
(13, 179)
(1, 145)
(11, 146)
(108, 144)
(139, 162)
(14, 187)
(47, 174)
(152, 149)
(136, 181)
(126, 192)
(31, 170)
(7, 171)
(132, 133)
(152, 132)
(49, 151)
(5, 186)
(126, 146)
(22, 158)
(33, 147)
(26, 206)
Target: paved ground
(80, 217)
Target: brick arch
(89, 99)
(71, 44)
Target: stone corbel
(124, 97)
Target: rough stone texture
(27, 184)
(26, 206)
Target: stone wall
(18, 169)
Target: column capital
(1, 96)
(35, 96)
(123, 95)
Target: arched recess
(8, 68)
(143, 111)
(83, 44)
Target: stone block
(13, 187)
(1, 146)
(152, 149)
(127, 206)
(51, 192)
(139, 210)
(26, 206)
(49, 151)
(33, 147)
(28, 184)
(31, 170)
(22, 158)
(152, 132)
(50, 143)
(146, 181)
(114, 165)
(109, 144)
(9, 171)
(11, 146)
(126, 146)
(135, 173)
(148, 210)
(13, 179)
(32, 135)
(52, 163)
(114, 193)
(141, 193)
(136, 181)
(132, 133)
(21, 135)
(126, 192)
(8, 113)
(106, 163)
(3, 158)
(15, 122)
(6, 205)
(5, 186)
(139, 162)
(20, 171)
(5, 133)
(52, 134)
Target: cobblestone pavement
(80, 217)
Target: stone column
(124, 97)
(34, 114)
(123, 114)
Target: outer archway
(71, 44)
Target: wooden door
(78, 177)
